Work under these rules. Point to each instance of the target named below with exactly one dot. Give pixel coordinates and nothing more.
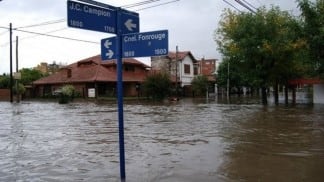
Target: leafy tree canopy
(200, 84)
(4, 81)
(29, 75)
(313, 31)
(157, 85)
(262, 48)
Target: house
(318, 88)
(94, 74)
(46, 68)
(182, 67)
(207, 67)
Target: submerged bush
(67, 94)
(157, 86)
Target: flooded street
(188, 141)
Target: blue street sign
(145, 44)
(90, 17)
(108, 48)
(102, 19)
(96, 3)
(105, 18)
(130, 22)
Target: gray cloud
(191, 24)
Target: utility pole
(17, 74)
(11, 77)
(176, 66)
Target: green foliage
(20, 90)
(29, 75)
(67, 94)
(262, 48)
(157, 85)
(232, 69)
(200, 84)
(68, 90)
(4, 81)
(313, 31)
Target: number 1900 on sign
(145, 44)
(160, 51)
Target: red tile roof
(181, 55)
(93, 69)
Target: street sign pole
(109, 19)
(120, 96)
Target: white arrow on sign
(107, 44)
(130, 25)
(110, 54)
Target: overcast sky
(191, 24)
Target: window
(187, 68)
(129, 68)
(195, 70)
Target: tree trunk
(264, 95)
(294, 95)
(286, 94)
(276, 93)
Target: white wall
(318, 96)
(186, 78)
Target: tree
(29, 75)
(20, 89)
(157, 85)
(5, 81)
(313, 31)
(200, 84)
(231, 70)
(262, 44)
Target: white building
(318, 88)
(182, 66)
(318, 95)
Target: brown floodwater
(187, 141)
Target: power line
(245, 6)
(44, 33)
(157, 5)
(4, 32)
(232, 5)
(48, 35)
(44, 23)
(62, 20)
(140, 3)
(4, 27)
(55, 36)
(250, 4)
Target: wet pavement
(187, 141)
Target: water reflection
(276, 144)
(190, 140)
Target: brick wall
(4, 94)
